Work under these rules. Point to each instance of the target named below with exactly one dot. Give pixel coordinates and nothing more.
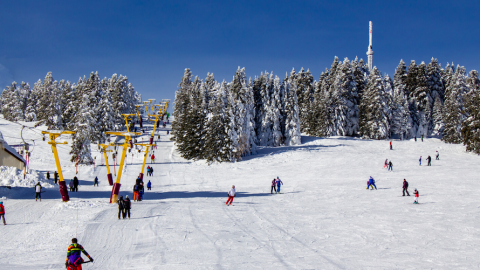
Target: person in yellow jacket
(74, 256)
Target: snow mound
(11, 176)
(83, 204)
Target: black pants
(272, 189)
(3, 217)
(121, 211)
(75, 188)
(405, 189)
(38, 196)
(95, 184)
(126, 212)
(429, 163)
(149, 188)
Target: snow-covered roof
(10, 149)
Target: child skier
(279, 183)
(2, 213)
(273, 187)
(371, 182)
(149, 185)
(74, 256)
(390, 166)
(38, 190)
(231, 194)
(416, 196)
(386, 164)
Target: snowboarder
(2, 213)
(95, 182)
(371, 182)
(75, 184)
(437, 156)
(405, 187)
(279, 183)
(416, 196)
(55, 177)
(420, 161)
(38, 190)
(121, 207)
(429, 161)
(386, 164)
(127, 206)
(390, 145)
(231, 194)
(48, 175)
(149, 185)
(153, 158)
(390, 166)
(74, 256)
(136, 188)
(273, 186)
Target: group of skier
(74, 184)
(276, 182)
(150, 170)
(124, 207)
(55, 176)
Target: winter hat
(1, 202)
(126, 196)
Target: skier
(121, 207)
(390, 145)
(167, 132)
(231, 194)
(74, 256)
(151, 171)
(153, 158)
(2, 212)
(48, 175)
(38, 190)
(371, 182)
(273, 186)
(422, 138)
(390, 166)
(149, 185)
(437, 156)
(429, 161)
(75, 184)
(415, 138)
(135, 192)
(141, 190)
(405, 187)
(279, 182)
(127, 206)
(386, 164)
(70, 185)
(416, 196)
(420, 161)
(95, 182)
(55, 177)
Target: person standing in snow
(136, 188)
(2, 213)
(416, 196)
(420, 161)
(121, 207)
(55, 177)
(152, 158)
(148, 170)
(279, 183)
(390, 145)
(437, 156)
(231, 194)
(386, 164)
(95, 182)
(405, 187)
(127, 206)
(141, 191)
(38, 190)
(429, 161)
(371, 182)
(75, 184)
(422, 138)
(74, 256)
(71, 185)
(273, 186)
(151, 171)
(48, 175)
(149, 185)
(390, 166)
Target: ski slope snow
(324, 218)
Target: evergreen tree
(344, 100)
(471, 125)
(438, 125)
(180, 112)
(434, 79)
(422, 98)
(453, 107)
(304, 81)
(292, 119)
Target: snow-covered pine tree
(401, 121)
(388, 86)
(31, 109)
(360, 73)
(453, 107)
(471, 125)
(105, 112)
(344, 100)
(180, 111)
(437, 116)
(434, 79)
(9, 98)
(292, 119)
(274, 113)
(320, 116)
(447, 76)
(373, 109)
(304, 93)
(411, 80)
(422, 98)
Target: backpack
(406, 184)
(135, 188)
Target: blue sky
(152, 42)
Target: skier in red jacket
(2, 213)
(416, 196)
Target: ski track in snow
(324, 218)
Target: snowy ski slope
(325, 218)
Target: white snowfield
(324, 218)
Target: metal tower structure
(370, 51)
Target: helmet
(1, 202)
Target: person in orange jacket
(2, 213)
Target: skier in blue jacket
(149, 185)
(279, 183)
(371, 182)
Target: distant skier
(149, 185)
(390, 166)
(279, 183)
(371, 182)
(38, 190)
(152, 158)
(48, 175)
(2, 212)
(415, 138)
(422, 138)
(121, 207)
(75, 184)
(273, 186)
(151, 171)
(127, 206)
(386, 164)
(95, 182)
(405, 187)
(74, 256)
(416, 196)
(70, 185)
(136, 189)
(390, 145)
(437, 156)
(231, 194)
(141, 191)
(429, 161)
(55, 177)
(420, 161)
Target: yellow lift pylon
(128, 141)
(109, 175)
(61, 184)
